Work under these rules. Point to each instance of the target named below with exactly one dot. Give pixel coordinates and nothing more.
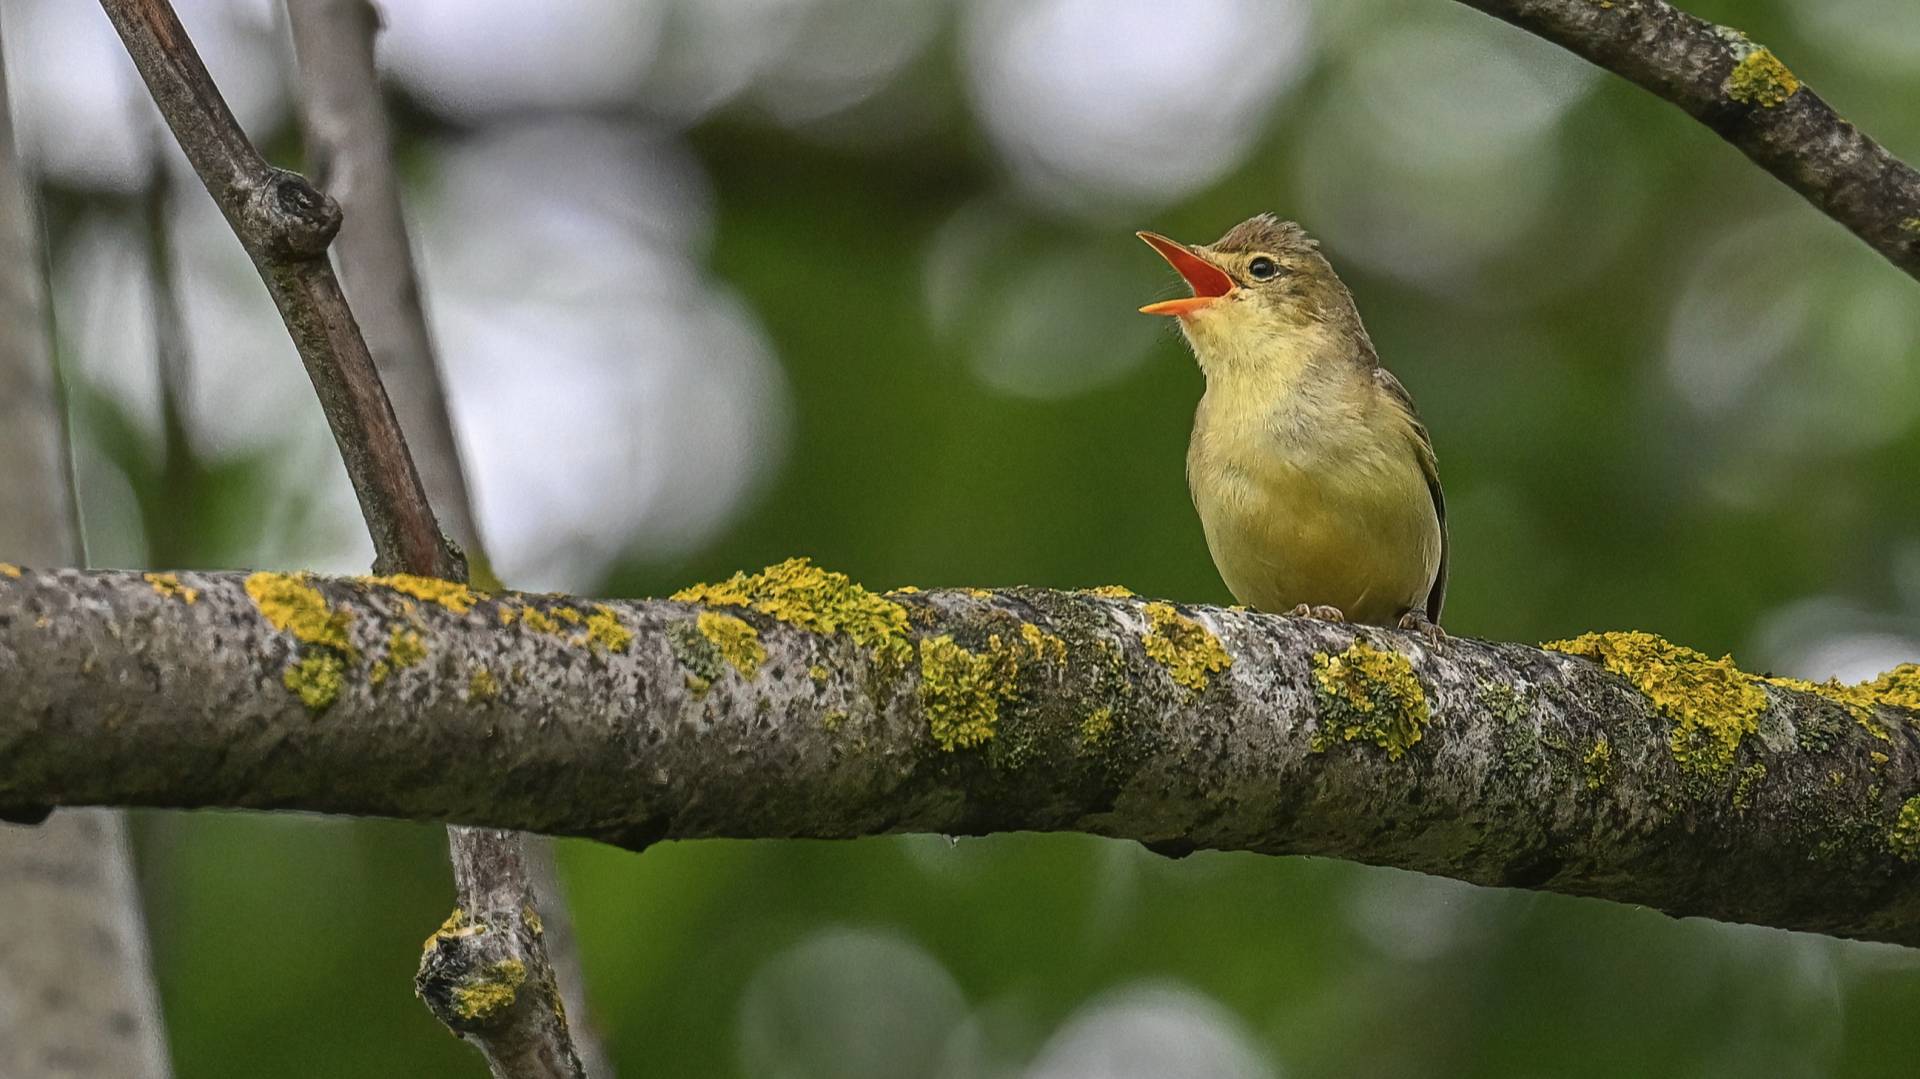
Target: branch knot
(290, 217)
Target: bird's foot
(1321, 611)
(1416, 621)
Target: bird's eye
(1263, 269)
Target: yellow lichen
(1761, 79)
(1716, 704)
(1044, 646)
(1111, 591)
(1097, 727)
(1190, 653)
(317, 678)
(568, 615)
(799, 593)
(1598, 764)
(532, 917)
(536, 619)
(1369, 695)
(506, 614)
(452, 595)
(482, 686)
(737, 642)
(8, 569)
(405, 648)
(169, 587)
(1743, 787)
(1904, 837)
(819, 674)
(491, 991)
(1713, 703)
(832, 720)
(294, 606)
(1911, 224)
(605, 629)
(960, 691)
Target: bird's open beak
(1209, 282)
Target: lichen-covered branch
(512, 915)
(1750, 98)
(285, 226)
(76, 987)
(793, 703)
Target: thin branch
(285, 226)
(1748, 97)
(505, 882)
(822, 710)
(76, 985)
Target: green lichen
(960, 691)
(1910, 224)
(1904, 837)
(293, 606)
(1190, 653)
(317, 678)
(1519, 741)
(491, 991)
(605, 629)
(1368, 695)
(697, 654)
(1744, 786)
(452, 595)
(1713, 704)
(1759, 78)
(801, 594)
(737, 642)
(1598, 764)
(169, 587)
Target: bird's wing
(1437, 595)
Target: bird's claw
(1320, 611)
(1416, 621)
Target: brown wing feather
(1437, 595)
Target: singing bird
(1313, 475)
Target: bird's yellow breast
(1310, 489)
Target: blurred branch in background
(1749, 97)
(76, 989)
(285, 225)
(502, 878)
(796, 704)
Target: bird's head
(1262, 283)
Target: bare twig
(818, 709)
(1748, 97)
(504, 881)
(76, 988)
(285, 226)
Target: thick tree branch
(506, 883)
(821, 710)
(1747, 96)
(76, 986)
(285, 226)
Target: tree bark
(504, 881)
(1748, 97)
(794, 704)
(76, 988)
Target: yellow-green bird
(1314, 477)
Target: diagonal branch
(1748, 97)
(285, 226)
(793, 703)
(506, 882)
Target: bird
(1313, 475)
